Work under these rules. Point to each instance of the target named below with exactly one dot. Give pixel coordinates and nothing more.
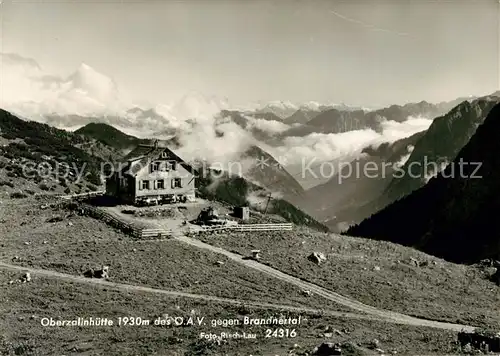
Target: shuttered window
(176, 183)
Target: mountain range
(441, 143)
(286, 109)
(337, 121)
(360, 196)
(454, 215)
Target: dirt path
(378, 314)
(136, 288)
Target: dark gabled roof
(139, 157)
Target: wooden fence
(154, 233)
(109, 219)
(249, 227)
(82, 195)
(163, 233)
(143, 233)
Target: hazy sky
(360, 52)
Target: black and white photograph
(249, 177)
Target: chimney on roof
(155, 144)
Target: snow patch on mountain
(312, 105)
(285, 109)
(282, 109)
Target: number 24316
(281, 333)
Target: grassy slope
(23, 305)
(439, 291)
(41, 145)
(85, 243)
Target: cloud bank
(328, 147)
(28, 90)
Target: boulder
(414, 262)
(417, 263)
(26, 277)
(256, 254)
(100, 273)
(496, 277)
(317, 257)
(374, 344)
